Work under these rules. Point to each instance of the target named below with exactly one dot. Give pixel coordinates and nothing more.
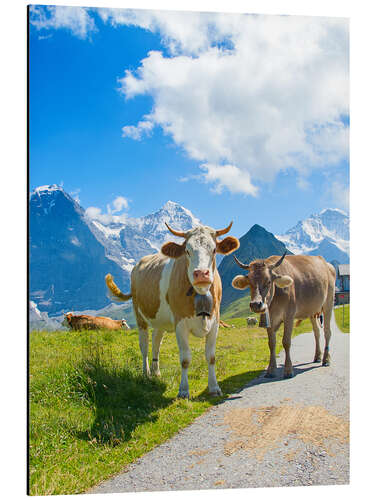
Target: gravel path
(274, 432)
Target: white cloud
(259, 93)
(119, 204)
(228, 176)
(270, 100)
(136, 133)
(75, 19)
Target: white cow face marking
(200, 250)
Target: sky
(236, 117)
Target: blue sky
(228, 115)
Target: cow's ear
(227, 245)
(240, 282)
(283, 281)
(172, 249)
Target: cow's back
(313, 280)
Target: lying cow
(163, 288)
(86, 322)
(251, 321)
(301, 286)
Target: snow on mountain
(326, 234)
(40, 320)
(128, 241)
(71, 253)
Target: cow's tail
(298, 322)
(114, 291)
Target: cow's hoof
(317, 360)
(326, 363)
(288, 375)
(215, 392)
(156, 374)
(183, 394)
(269, 375)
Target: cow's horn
(176, 233)
(244, 266)
(272, 266)
(220, 232)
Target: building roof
(344, 270)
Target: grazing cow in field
(251, 321)
(282, 289)
(163, 288)
(86, 322)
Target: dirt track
(274, 432)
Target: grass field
(237, 309)
(344, 325)
(92, 412)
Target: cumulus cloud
(136, 133)
(76, 19)
(258, 94)
(114, 209)
(270, 98)
(228, 176)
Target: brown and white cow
(293, 286)
(86, 322)
(160, 289)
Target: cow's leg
(270, 373)
(287, 341)
(213, 387)
(157, 336)
(182, 334)
(327, 311)
(143, 344)
(316, 329)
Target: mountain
(70, 254)
(67, 263)
(40, 320)
(326, 234)
(128, 241)
(257, 243)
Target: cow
(289, 287)
(86, 322)
(163, 289)
(251, 321)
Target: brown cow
(163, 286)
(86, 322)
(301, 286)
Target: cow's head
(67, 319)
(261, 279)
(124, 324)
(199, 247)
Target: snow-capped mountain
(40, 320)
(67, 263)
(326, 234)
(128, 241)
(70, 254)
